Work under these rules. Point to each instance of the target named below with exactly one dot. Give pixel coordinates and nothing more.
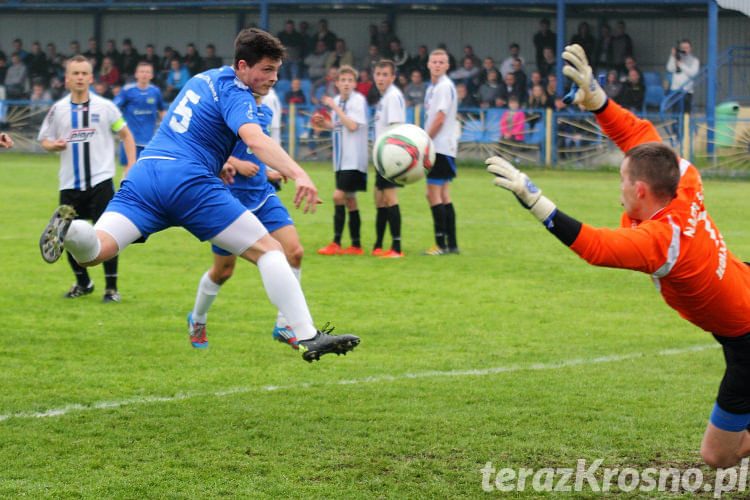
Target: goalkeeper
(667, 233)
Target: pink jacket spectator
(517, 120)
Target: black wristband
(564, 227)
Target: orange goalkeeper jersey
(679, 246)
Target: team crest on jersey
(95, 118)
(81, 135)
(151, 100)
(250, 111)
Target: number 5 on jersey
(184, 112)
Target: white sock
(207, 292)
(285, 292)
(81, 241)
(280, 319)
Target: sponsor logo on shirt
(81, 135)
(95, 118)
(250, 111)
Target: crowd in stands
(315, 56)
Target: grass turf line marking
(64, 410)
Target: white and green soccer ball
(403, 154)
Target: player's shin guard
(355, 224)
(339, 217)
(82, 276)
(81, 241)
(280, 318)
(450, 225)
(380, 222)
(207, 292)
(394, 222)
(439, 221)
(285, 293)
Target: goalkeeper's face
(261, 76)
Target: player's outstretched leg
(324, 343)
(53, 236)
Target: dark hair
(253, 44)
(514, 45)
(387, 63)
(144, 63)
(657, 165)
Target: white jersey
(391, 109)
(89, 157)
(272, 101)
(350, 148)
(442, 97)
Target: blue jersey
(202, 123)
(259, 181)
(140, 107)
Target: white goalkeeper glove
(589, 93)
(530, 196)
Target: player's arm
(54, 146)
(622, 126)
(436, 124)
(275, 157)
(643, 248)
(5, 141)
(244, 167)
(128, 142)
(348, 122)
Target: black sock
(394, 222)
(450, 226)
(82, 275)
(110, 273)
(339, 216)
(438, 218)
(380, 221)
(354, 225)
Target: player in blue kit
(142, 105)
(248, 181)
(175, 183)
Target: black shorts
(89, 204)
(351, 180)
(444, 168)
(734, 391)
(383, 183)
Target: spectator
(295, 95)
(328, 37)
(328, 83)
(622, 46)
(211, 60)
(542, 39)
(2, 54)
(128, 59)
(94, 53)
(37, 62)
(193, 60)
(489, 91)
(468, 74)
(166, 64)
(508, 89)
(419, 61)
(176, 79)
(512, 122)
(316, 61)
(75, 48)
(465, 98)
(415, 90)
(469, 52)
(372, 58)
(603, 58)
(684, 66)
(17, 79)
(551, 87)
(507, 64)
(585, 39)
(3, 69)
(401, 82)
(103, 90)
(41, 96)
(630, 63)
(451, 59)
(385, 37)
(613, 86)
(548, 66)
(109, 75)
(374, 36)
(150, 57)
(487, 65)
(633, 92)
(310, 41)
(399, 56)
(340, 56)
(521, 80)
(364, 84)
(18, 49)
(538, 100)
(54, 62)
(536, 79)
(295, 49)
(110, 50)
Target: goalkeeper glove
(530, 196)
(589, 93)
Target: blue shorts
(444, 170)
(160, 193)
(269, 211)
(124, 158)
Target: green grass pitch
(516, 352)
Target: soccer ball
(403, 154)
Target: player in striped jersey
(79, 126)
(666, 232)
(142, 105)
(349, 124)
(390, 110)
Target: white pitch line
(64, 410)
